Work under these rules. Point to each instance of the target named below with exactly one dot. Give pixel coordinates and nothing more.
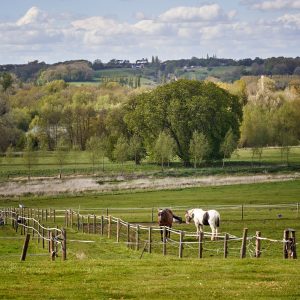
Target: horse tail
(218, 221)
(179, 219)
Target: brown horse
(166, 218)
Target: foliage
(199, 147)
(182, 107)
(163, 149)
(121, 150)
(229, 145)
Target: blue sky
(58, 30)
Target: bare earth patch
(51, 186)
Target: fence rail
(54, 237)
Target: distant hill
(154, 71)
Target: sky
(60, 30)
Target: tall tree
(163, 149)
(61, 153)
(93, 149)
(199, 147)
(30, 156)
(229, 145)
(181, 107)
(121, 151)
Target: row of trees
(189, 119)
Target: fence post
(128, 235)
(54, 217)
(109, 227)
(88, 223)
(102, 223)
(293, 244)
(152, 215)
(78, 224)
(200, 250)
(242, 212)
(257, 244)
(164, 241)
(64, 244)
(25, 247)
(137, 237)
(226, 245)
(94, 224)
(244, 243)
(52, 251)
(71, 213)
(297, 209)
(181, 243)
(285, 243)
(49, 240)
(43, 236)
(46, 214)
(82, 223)
(150, 239)
(118, 230)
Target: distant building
(140, 63)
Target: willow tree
(180, 108)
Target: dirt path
(80, 184)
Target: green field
(106, 270)
(77, 162)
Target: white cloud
(33, 15)
(191, 14)
(277, 4)
(290, 20)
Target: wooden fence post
(137, 237)
(88, 223)
(226, 245)
(152, 215)
(164, 241)
(242, 212)
(244, 243)
(46, 215)
(52, 251)
(71, 214)
(109, 227)
(200, 249)
(43, 236)
(25, 247)
(285, 243)
(257, 244)
(94, 224)
(64, 244)
(293, 244)
(150, 239)
(102, 224)
(118, 230)
(78, 223)
(49, 239)
(128, 235)
(297, 209)
(54, 217)
(82, 223)
(181, 243)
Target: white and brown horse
(202, 217)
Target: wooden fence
(23, 220)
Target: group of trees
(188, 119)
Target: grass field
(76, 163)
(106, 270)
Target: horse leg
(161, 234)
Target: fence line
(54, 236)
(135, 235)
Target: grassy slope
(104, 270)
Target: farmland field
(105, 270)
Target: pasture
(107, 270)
(78, 162)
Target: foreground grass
(104, 270)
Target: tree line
(188, 119)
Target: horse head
(189, 215)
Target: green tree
(163, 149)
(229, 145)
(6, 81)
(136, 148)
(30, 156)
(121, 151)
(61, 153)
(93, 149)
(199, 147)
(181, 107)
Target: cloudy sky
(58, 30)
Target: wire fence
(148, 238)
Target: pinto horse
(202, 217)
(166, 218)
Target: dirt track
(51, 186)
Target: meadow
(78, 162)
(106, 270)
